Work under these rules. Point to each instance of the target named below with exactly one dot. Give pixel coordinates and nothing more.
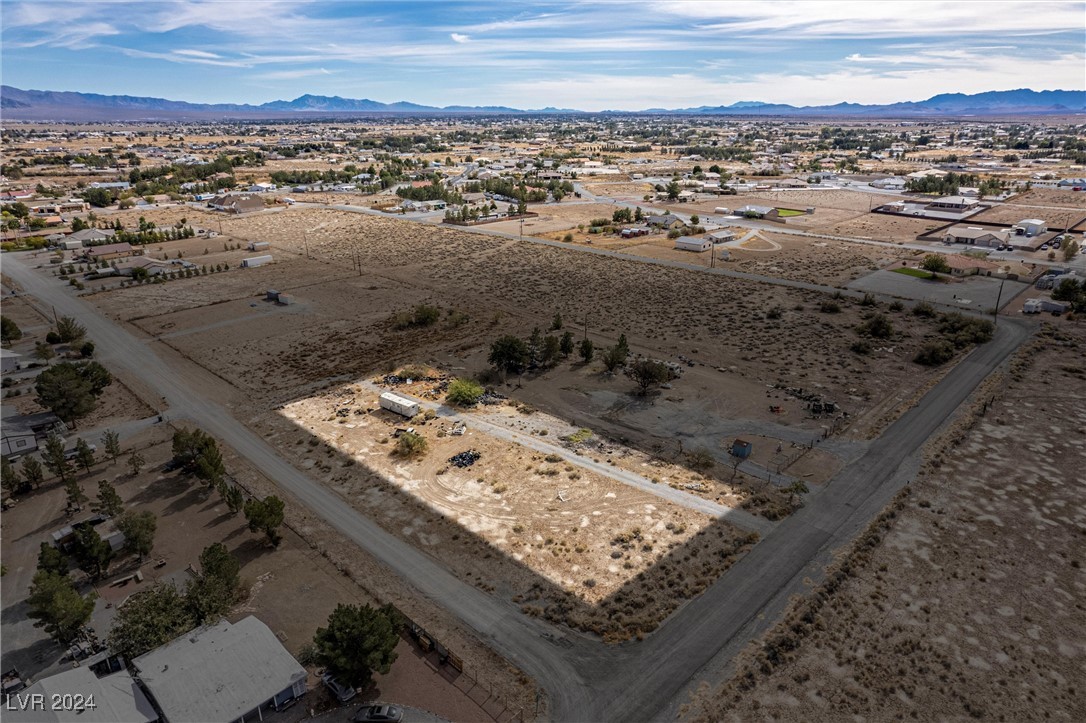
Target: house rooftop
(116, 697)
(219, 672)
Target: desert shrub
(411, 445)
(935, 353)
(463, 392)
(425, 315)
(861, 346)
(924, 309)
(878, 326)
(963, 330)
(869, 300)
(774, 313)
(830, 307)
(412, 371)
(701, 460)
(896, 306)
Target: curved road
(586, 680)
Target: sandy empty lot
(970, 606)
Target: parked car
(343, 693)
(1044, 247)
(378, 714)
(70, 454)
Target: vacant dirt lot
(268, 351)
(527, 525)
(1050, 197)
(971, 604)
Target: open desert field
(1050, 197)
(945, 610)
(523, 285)
(806, 259)
(883, 227)
(554, 218)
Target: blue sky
(585, 55)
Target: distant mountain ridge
(20, 104)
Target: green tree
(1070, 250)
(673, 190)
(10, 478)
(84, 455)
(139, 532)
(232, 496)
(92, 554)
(936, 263)
(43, 351)
(552, 351)
(135, 463)
(149, 620)
(53, 456)
(463, 392)
(111, 443)
(616, 356)
(9, 330)
(556, 322)
(266, 516)
(109, 502)
(648, 373)
(695, 220)
(52, 560)
(209, 464)
(410, 445)
(71, 390)
(586, 350)
(358, 641)
(509, 354)
(58, 607)
(69, 330)
(215, 589)
(32, 472)
(566, 344)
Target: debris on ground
(465, 459)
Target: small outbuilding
(693, 243)
(400, 405)
(253, 261)
(742, 449)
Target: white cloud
(458, 38)
(595, 92)
(197, 53)
(868, 19)
(293, 74)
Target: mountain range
(17, 104)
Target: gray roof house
(115, 697)
(221, 673)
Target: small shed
(254, 261)
(741, 448)
(285, 299)
(272, 295)
(693, 243)
(1032, 306)
(401, 405)
(258, 245)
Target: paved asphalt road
(585, 679)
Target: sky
(585, 55)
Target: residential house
(237, 203)
(221, 673)
(108, 252)
(110, 698)
(21, 433)
(976, 236)
(952, 203)
(969, 266)
(755, 211)
(89, 236)
(666, 221)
